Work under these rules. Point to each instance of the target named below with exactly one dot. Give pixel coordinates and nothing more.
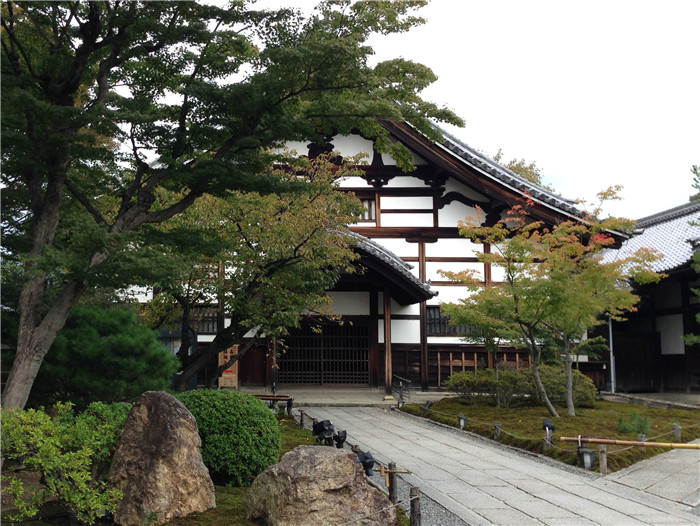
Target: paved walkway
(484, 483)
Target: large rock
(316, 485)
(158, 465)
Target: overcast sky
(597, 93)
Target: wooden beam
(387, 342)
(374, 338)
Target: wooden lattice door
(326, 353)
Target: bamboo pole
(629, 443)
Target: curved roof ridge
(668, 215)
(505, 175)
(389, 258)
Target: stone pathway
(484, 483)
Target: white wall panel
(453, 213)
(350, 303)
(453, 247)
(449, 294)
(406, 203)
(405, 331)
(405, 181)
(498, 274)
(406, 220)
(446, 340)
(671, 330)
(353, 182)
(455, 186)
(349, 145)
(388, 160)
(407, 310)
(432, 269)
(400, 247)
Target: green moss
(522, 427)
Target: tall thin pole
(612, 356)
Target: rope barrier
(380, 511)
(472, 420)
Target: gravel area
(432, 513)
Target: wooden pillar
(374, 338)
(423, 315)
(387, 341)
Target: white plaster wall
(671, 329)
(432, 269)
(449, 294)
(352, 182)
(498, 274)
(406, 203)
(453, 213)
(406, 220)
(451, 185)
(446, 340)
(301, 147)
(402, 331)
(407, 310)
(350, 303)
(405, 181)
(453, 247)
(388, 160)
(400, 247)
(349, 145)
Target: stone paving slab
(485, 483)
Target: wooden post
(497, 431)
(414, 495)
(392, 482)
(603, 458)
(677, 431)
(387, 342)
(642, 438)
(301, 419)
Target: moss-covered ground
(522, 426)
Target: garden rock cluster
(158, 465)
(317, 486)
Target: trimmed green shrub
(240, 435)
(72, 452)
(472, 384)
(519, 386)
(554, 380)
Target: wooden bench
(274, 399)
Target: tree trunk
(540, 387)
(569, 377)
(34, 341)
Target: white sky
(597, 93)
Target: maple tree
(555, 285)
(111, 106)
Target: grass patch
(522, 426)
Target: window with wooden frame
(370, 212)
(438, 324)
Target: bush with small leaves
(472, 384)
(240, 435)
(554, 380)
(71, 451)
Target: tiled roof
(390, 259)
(505, 176)
(671, 232)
